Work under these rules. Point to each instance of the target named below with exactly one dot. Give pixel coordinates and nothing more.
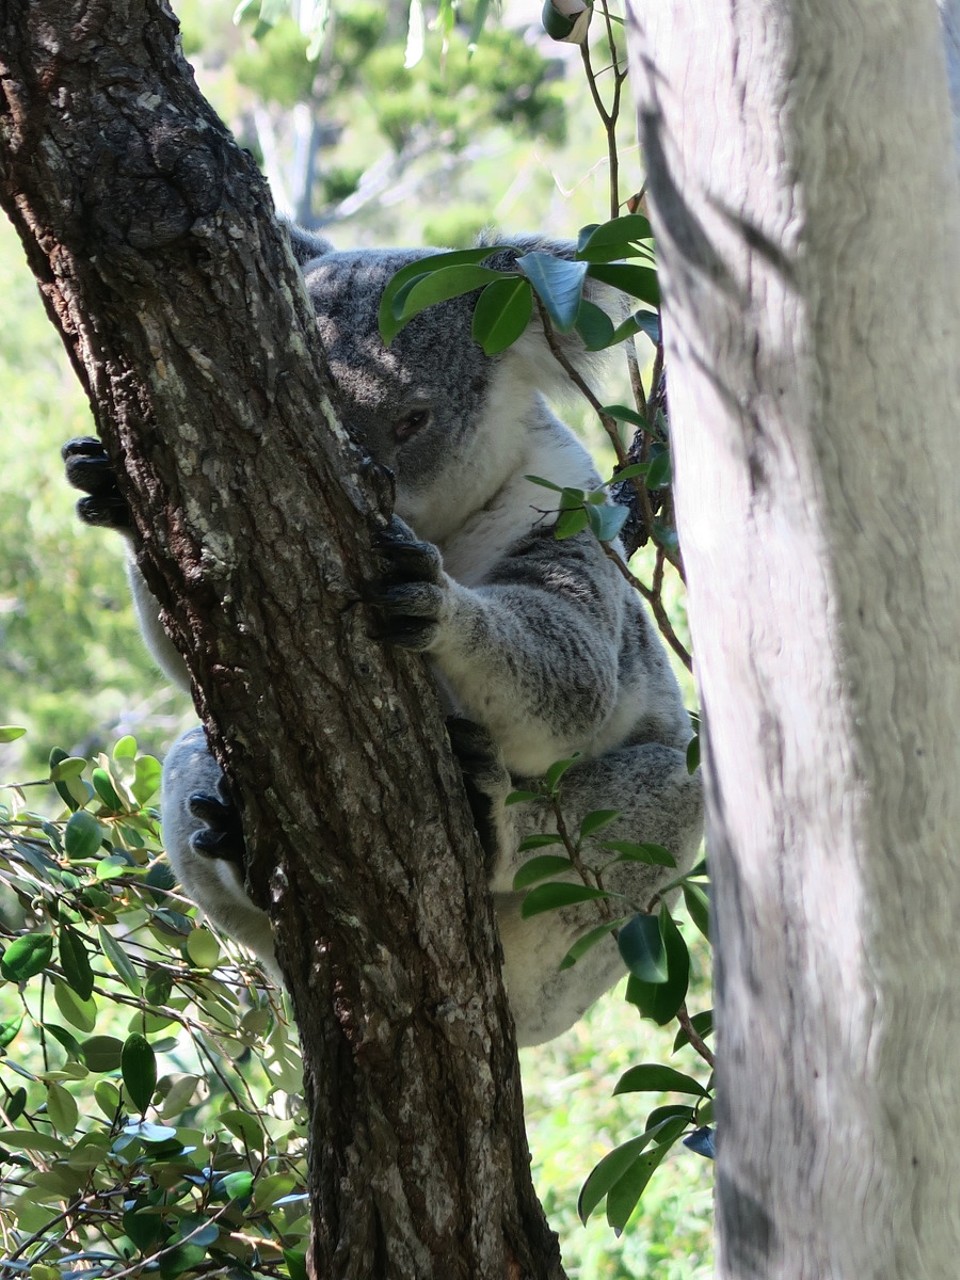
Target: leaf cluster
(150, 1115)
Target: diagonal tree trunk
(152, 238)
(805, 200)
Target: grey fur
(540, 642)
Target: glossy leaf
(642, 946)
(138, 1066)
(698, 905)
(559, 285)
(102, 1053)
(588, 942)
(651, 1077)
(539, 869)
(549, 897)
(401, 284)
(502, 314)
(27, 956)
(607, 521)
(83, 835)
(608, 1173)
(594, 326)
(639, 282)
(616, 238)
(654, 855)
(660, 1001)
(75, 962)
(596, 820)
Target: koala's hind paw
(485, 777)
(409, 595)
(89, 469)
(222, 834)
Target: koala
(540, 648)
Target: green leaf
(63, 1037)
(9, 1028)
(400, 284)
(539, 868)
(125, 748)
(103, 785)
(10, 732)
(545, 484)
(570, 523)
(146, 779)
(693, 754)
(651, 1077)
(698, 905)
(540, 841)
(296, 1263)
(588, 941)
(237, 1185)
(80, 1012)
(554, 775)
(67, 767)
(203, 949)
(660, 1001)
(108, 1098)
(181, 1260)
(607, 521)
(625, 1195)
(623, 414)
(673, 1111)
(605, 241)
(594, 326)
(26, 957)
(138, 1066)
(502, 314)
(642, 947)
(102, 1053)
(522, 797)
(440, 286)
(659, 472)
(596, 820)
(702, 1024)
(608, 1173)
(119, 960)
(548, 897)
(639, 282)
(75, 962)
(62, 1109)
(57, 756)
(15, 1104)
(654, 855)
(31, 1140)
(82, 835)
(145, 1227)
(559, 285)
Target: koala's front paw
(410, 595)
(485, 778)
(90, 470)
(222, 833)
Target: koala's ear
(532, 348)
(305, 245)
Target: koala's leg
(658, 802)
(204, 842)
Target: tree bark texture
(152, 238)
(805, 203)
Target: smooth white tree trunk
(805, 199)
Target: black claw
(89, 469)
(222, 835)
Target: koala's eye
(410, 423)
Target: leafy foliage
(149, 1080)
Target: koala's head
(448, 420)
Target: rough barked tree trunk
(805, 202)
(152, 238)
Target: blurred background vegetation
(376, 133)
